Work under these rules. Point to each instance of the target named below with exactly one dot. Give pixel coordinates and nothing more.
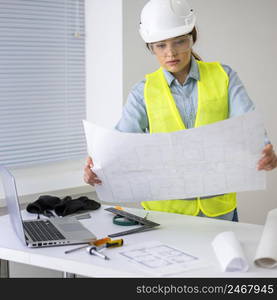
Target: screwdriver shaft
(75, 249)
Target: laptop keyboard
(40, 230)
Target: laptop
(56, 231)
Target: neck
(181, 76)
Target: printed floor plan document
(209, 160)
(161, 259)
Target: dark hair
(194, 38)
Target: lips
(173, 62)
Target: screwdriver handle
(100, 242)
(114, 243)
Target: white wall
(242, 34)
(137, 60)
(104, 61)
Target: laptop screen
(12, 202)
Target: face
(173, 54)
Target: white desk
(191, 234)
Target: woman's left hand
(269, 159)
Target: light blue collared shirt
(134, 116)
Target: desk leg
(68, 275)
(4, 269)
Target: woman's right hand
(89, 176)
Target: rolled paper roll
(266, 254)
(229, 252)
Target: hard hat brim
(164, 35)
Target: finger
(274, 162)
(267, 158)
(94, 177)
(89, 162)
(268, 168)
(264, 163)
(88, 171)
(268, 165)
(91, 176)
(92, 180)
(267, 149)
(87, 180)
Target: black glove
(43, 205)
(69, 206)
(62, 207)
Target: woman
(184, 93)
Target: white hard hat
(164, 19)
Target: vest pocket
(219, 205)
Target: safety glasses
(177, 45)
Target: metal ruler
(146, 224)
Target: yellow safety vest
(164, 116)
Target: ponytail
(194, 38)
(196, 56)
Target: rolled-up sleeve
(239, 100)
(134, 116)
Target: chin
(174, 69)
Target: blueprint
(212, 159)
(161, 259)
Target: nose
(170, 51)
